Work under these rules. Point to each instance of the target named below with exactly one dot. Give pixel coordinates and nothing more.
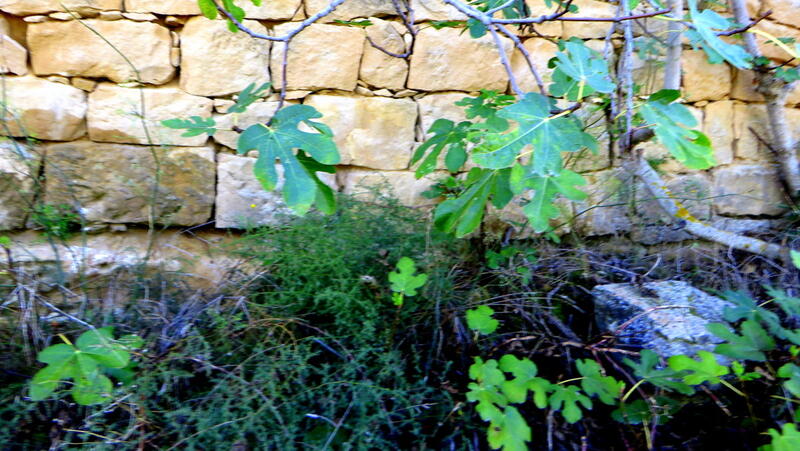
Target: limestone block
(694, 192)
(771, 50)
(113, 183)
(448, 59)
(747, 190)
(19, 166)
(601, 213)
(539, 8)
(435, 10)
(648, 73)
(243, 202)
(744, 88)
(589, 30)
(703, 80)
(718, 125)
(13, 56)
(374, 132)
(70, 48)
(216, 62)
(377, 68)
(257, 113)
(440, 106)
(83, 84)
(311, 68)
(403, 185)
(115, 115)
(44, 110)
(28, 7)
(269, 9)
(541, 51)
(351, 9)
(783, 11)
(745, 118)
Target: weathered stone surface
(747, 190)
(272, 9)
(435, 10)
(783, 11)
(439, 106)
(351, 9)
(609, 189)
(28, 7)
(241, 200)
(589, 30)
(550, 28)
(309, 68)
(44, 110)
(448, 59)
(70, 48)
(541, 50)
(13, 56)
(746, 120)
(115, 115)
(84, 84)
(718, 125)
(703, 80)
(374, 132)
(216, 62)
(377, 68)
(402, 185)
(694, 192)
(667, 317)
(648, 73)
(744, 88)
(257, 113)
(769, 49)
(113, 183)
(19, 166)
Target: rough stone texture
(435, 10)
(403, 185)
(589, 30)
(608, 189)
(694, 192)
(308, 68)
(448, 59)
(115, 115)
(113, 183)
(718, 125)
(541, 50)
(747, 190)
(668, 330)
(241, 200)
(771, 50)
(19, 166)
(257, 113)
(70, 48)
(745, 118)
(373, 132)
(216, 62)
(13, 56)
(439, 106)
(269, 9)
(377, 68)
(539, 8)
(648, 73)
(744, 88)
(44, 110)
(703, 80)
(351, 9)
(28, 7)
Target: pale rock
(373, 132)
(783, 11)
(604, 212)
(541, 51)
(703, 80)
(718, 126)
(216, 62)
(174, 22)
(744, 88)
(140, 17)
(5, 25)
(257, 113)
(589, 30)
(58, 79)
(448, 59)
(405, 93)
(403, 185)
(539, 8)
(222, 105)
(748, 190)
(440, 106)
(269, 9)
(377, 68)
(176, 38)
(694, 191)
(113, 183)
(110, 15)
(362, 91)
(297, 94)
(383, 93)
(175, 56)
(115, 115)
(44, 110)
(70, 48)
(351, 9)
(242, 202)
(309, 68)
(61, 16)
(29, 7)
(745, 118)
(35, 19)
(425, 10)
(13, 56)
(19, 168)
(84, 84)
(768, 48)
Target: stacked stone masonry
(91, 85)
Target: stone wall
(75, 93)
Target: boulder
(42, 109)
(668, 317)
(703, 80)
(745, 190)
(13, 56)
(379, 69)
